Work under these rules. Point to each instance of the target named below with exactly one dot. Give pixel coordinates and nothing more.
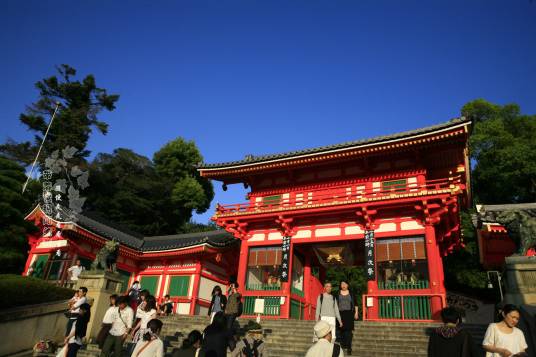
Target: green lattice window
(271, 200)
(125, 277)
(149, 283)
(395, 185)
(39, 266)
(179, 286)
(54, 270)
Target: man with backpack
(327, 309)
(252, 344)
(324, 347)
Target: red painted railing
(339, 195)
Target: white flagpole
(40, 147)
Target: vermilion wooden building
(185, 266)
(408, 188)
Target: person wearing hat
(252, 345)
(323, 347)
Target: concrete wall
(22, 327)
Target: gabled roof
(217, 238)
(108, 230)
(251, 160)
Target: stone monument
(101, 282)
(520, 280)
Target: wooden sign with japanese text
(284, 271)
(370, 263)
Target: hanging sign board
(370, 263)
(283, 271)
(259, 306)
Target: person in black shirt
(450, 340)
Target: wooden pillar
(435, 269)
(161, 291)
(372, 288)
(195, 290)
(307, 288)
(242, 265)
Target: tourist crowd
(131, 324)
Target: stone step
(292, 338)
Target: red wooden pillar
(32, 241)
(242, 265)
(307, 288)
(161, 291)
(372, 288)
(195, 290)
(435, 269)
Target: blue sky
(256, 77)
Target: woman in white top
(150, 345)
(148, 313)
(503, 339)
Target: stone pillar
(520, 280)
(100, 285)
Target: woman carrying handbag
(150, 345)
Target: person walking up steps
(121, 319)
(216, 337)
(324, 347)
(450, 340)
(252, 345)
(191, 346)
(327, 309)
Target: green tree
(176, 162)
(13, 207)
(503, 150)
(80, 103)
(355, 276)
(150, 198)
(124, 188)
(503, 154)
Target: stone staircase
(292, 338)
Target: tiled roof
(250, 159)
(217, 238)
(98, 225)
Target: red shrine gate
(407, 188)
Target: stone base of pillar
(100, 286)
(520, 280)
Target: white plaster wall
(183, 308)
(206, 286)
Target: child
(167, 306)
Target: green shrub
(20, 291)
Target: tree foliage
(80, 101)
(355, 276)
(177, 161)
(503, 149)
(150, 197)
(125, 188)
(503, 154)
(13, 208)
